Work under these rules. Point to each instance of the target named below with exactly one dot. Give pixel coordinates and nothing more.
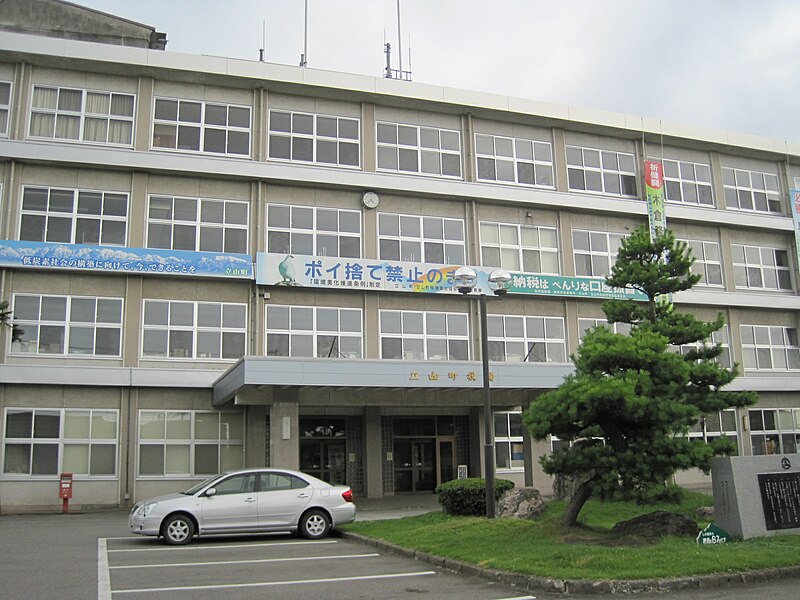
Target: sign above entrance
(395, 276)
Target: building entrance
(323, 449)
(414, 465)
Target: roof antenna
(389, 72)
(263, 41)
(304, 55)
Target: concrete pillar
(373, 452)
(475, 441)
(284, 441)
(255, 435)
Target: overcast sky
(724, 64)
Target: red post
(65, 491)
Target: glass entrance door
(324, 459)
(446, 459)
(414, 465)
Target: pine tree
(631, 400)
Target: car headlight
(146, 509)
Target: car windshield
(193, 490)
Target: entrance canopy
(255, 372)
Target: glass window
(515, 338)
(67, 325)
(198, 224)
(605, 172)
(74, 216)
(514, 160)
(203, 330)
(421, 150)
(310, 231)
(413, 335)
(595, 252)
(687, 182)
(767, 348)
(708, 262)
(207, 127)
(520, 248)
(751, 190)
(508, 441)
(421, 239)
(319, 139)
(321, 332)
(774, 431)
(194, 443)
(759, 267)
(5, 106)
(50, 441)
(81, 115)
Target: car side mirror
(210, 492)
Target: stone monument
(756, 496)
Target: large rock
(521, 503)
(657, 524)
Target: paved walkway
(395, 507)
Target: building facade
(217, 263)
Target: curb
(535, 583)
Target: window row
(85, 326)
(210, 225)
(175, 329)
(85, 442)
(97, 116)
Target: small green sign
(713, 535)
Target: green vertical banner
(654, 188)
(794, 200)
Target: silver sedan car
(247, 501)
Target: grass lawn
(544, 547)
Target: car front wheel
(178, 530)
(314, 525)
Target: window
(601, 171)
(189, 443)
(519, 248)
(595, 252)
(751, 190)
(5, 107)
(761, 268)
(413, 149)
(320, 139)
(508, 446)
(708, 262)
(201, 127)
(82, 115)
(321, 332)
(717, 337)
(514, 160)
(73, 216)
(715, 425)
(209, 330)
(308, 231)
(49, 441)
(413, 335)
(196, 224)
(585, 325)
(526, 339)
(774, 430)
(768, 348)
(687, 182)
(421, 239)
(67, 325)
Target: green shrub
(467, 497)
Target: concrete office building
(220, 263)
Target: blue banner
(118, 259)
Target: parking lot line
(103, 574)
(218, 546)
(244, 562)
(273, 583)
